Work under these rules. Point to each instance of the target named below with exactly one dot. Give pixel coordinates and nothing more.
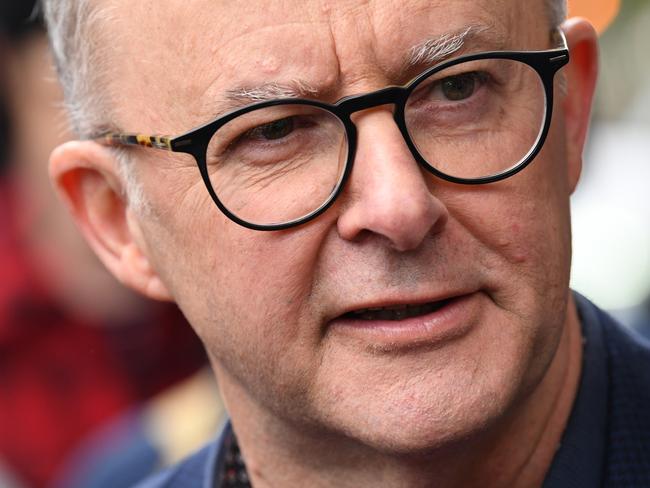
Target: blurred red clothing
(60, 376)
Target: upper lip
(394, 302)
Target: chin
(427, 411)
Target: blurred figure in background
(611, 208)
(76, 348)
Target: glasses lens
(277, 164)
(477, 118)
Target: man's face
(274, 308)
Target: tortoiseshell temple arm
(157, 142)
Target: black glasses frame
(195, 142)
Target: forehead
(174, 63)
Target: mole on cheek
(511, 245)
(518, 249)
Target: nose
(387, 194)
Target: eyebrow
(437, 49)
(269, 91)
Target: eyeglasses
(471, 120)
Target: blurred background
(99, 387)
(611, 207)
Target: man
(382, 285)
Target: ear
(87, 178)
(581, 76)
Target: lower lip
(434, 329)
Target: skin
(313, 403)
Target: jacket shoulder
(197, 471)
(628, 357)
(629, 361)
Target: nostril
(416, 223)
(403, 223)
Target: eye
(460, 87)
(272, 130)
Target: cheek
(521, 230)
(241, 289)
(531, 239)
(212, 264)
(260, 308)
(512, 243)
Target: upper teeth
(397, 312)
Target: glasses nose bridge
(392, 95)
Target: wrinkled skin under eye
(271, 137)
(262, 140)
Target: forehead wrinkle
(428, 52)
(251, 80)
(216, 100)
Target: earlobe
(86, 177)
(142, 276)
(581, 76)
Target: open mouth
(398, 312)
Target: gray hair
(73, 27)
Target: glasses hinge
(559, 59)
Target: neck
(516, 452)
